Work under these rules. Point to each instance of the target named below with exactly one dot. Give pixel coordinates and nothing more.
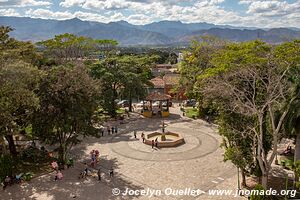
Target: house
(162, 69)
(158, 85)
(167, 85)
(171, 83)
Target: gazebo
(149, 110)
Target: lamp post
(238, 172)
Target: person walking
(116, 129)
(108, 130)
(143, 137)
(99, 174)
(102, 131)
(134, 133)
(111, 173)
(156, 142)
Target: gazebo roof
(156, 96)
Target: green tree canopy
(68, 100)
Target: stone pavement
(198, 164)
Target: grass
(191, 112)
(120, 111)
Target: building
(167, 85)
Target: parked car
(190, 103)
(123, 103)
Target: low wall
(173, 143)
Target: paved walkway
(198, 164)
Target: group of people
(58, 175)
(87, 172)
(153, 142)
(109, 130)
(95, 157)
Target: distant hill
(275, 35)
(157, 33)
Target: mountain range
(156, 33)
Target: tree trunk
(2, 141)
(264, 181)
(244, 184)
(11, 145)
(297, 146)
(130, 102)
(62, 155)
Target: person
(86, 168)
(112, 130)
(18, 178)
(111, 172)
(134, 133)
(97, 154)
(116, 129)
(93, 158)
(152, 142)
(108, 130)
(102, 131)
(7, 181)
(156, 142)
(58, 176)
(99, 174)
(54, 165)
(143, 137)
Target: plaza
(196, 165)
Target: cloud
(48, 14)
(9, 12)
(23, 3)
(273, 8)
(259, 13)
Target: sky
(250, 13)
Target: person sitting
(7, 181)
(54, 165)
(58, 176)
(18, 178)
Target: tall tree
(69, 47)
(18, 100)
(18, 81)
(127, 75)
(68, 100)
(195, 61)
(255, 79)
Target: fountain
(165, 138)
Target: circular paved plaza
(197, 164)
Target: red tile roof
(158, 82)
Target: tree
(196, 60)
(18, 80)
(69, 47)
(238, 143)
(137, 73)
(68, 100)
(127, 75)
(12, 50)
(254, 78)
(17, 99)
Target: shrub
(258, 187)
(6, 164)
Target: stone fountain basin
(172, 139)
